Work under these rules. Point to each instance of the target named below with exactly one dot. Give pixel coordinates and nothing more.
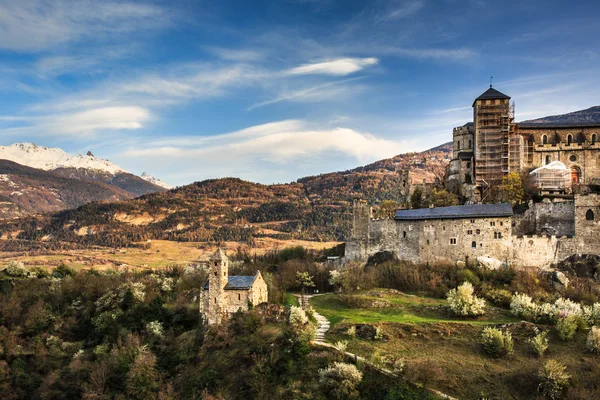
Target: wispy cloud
(34, 25)
(326, 91)
(282, 143)
(339, 67)
(402, 9)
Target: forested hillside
(313, 208)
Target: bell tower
(217, 280)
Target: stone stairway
(323, 327)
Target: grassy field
(161, 254)
(444, 352)
(374, 307)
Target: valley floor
(161, 253)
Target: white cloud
(284, 143)
(342, 66)
(406, 9)
(33, 25)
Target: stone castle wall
(547, 218)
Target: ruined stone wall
(547, 218)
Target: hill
(313, 208)
(581, 117)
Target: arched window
(589, 215)
(473, 245)
(404, 234)
(545, 139)
(547, 160)
(575, 174)
(569, 140)
(594, 138)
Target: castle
(493, 145)
(566, 162)
(223, 295)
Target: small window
(427, 241)
(215, 273)
(452, 240)
(492, 223)
(443, 228)
(469, 165)
(215, 300)
(478, 231)
(544, 139)
(469, 232)
(473, 245)
(224, 274)
(589, 215)
(457, 145)
(594, 138)
(216, 264)
(569, 140)
(404, 234)
(239, 296)
(403, 183)
(547, 160)
(573, 158)
(472, 221)
(501, 223)
(470, 144)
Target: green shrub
(539, 343)
(499, 297)
(496, 343)
(567, 327)
(553, 379)
(466, 275)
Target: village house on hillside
(223, 295)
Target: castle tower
(493, 120)
(217, 280)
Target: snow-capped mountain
(155, 181)
(48, 159)
(40, 179)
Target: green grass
(291, 300)
(403, 308)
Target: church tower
(217, 280)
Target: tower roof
(218, 255)
(491, 94)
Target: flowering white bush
(593, 340)
(523, 306)
(564, 307)
(378, 333)
(462, 301)
(591, 314)
(16, 269)
(554, 379)
(335, 277)
(340, 381)
(155, 329)
(298, 316)
(351, 331)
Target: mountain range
(36, 179)
(581, 117)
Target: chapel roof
(239, 282)
(491, 94)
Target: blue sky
(271, 91)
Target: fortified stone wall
(546, 218)
(462, 239)
(534, 251)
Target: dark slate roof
(237, 283)
(469, 124)
(456, 212)
(491, 94)
(465, 155)
(555, 125)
